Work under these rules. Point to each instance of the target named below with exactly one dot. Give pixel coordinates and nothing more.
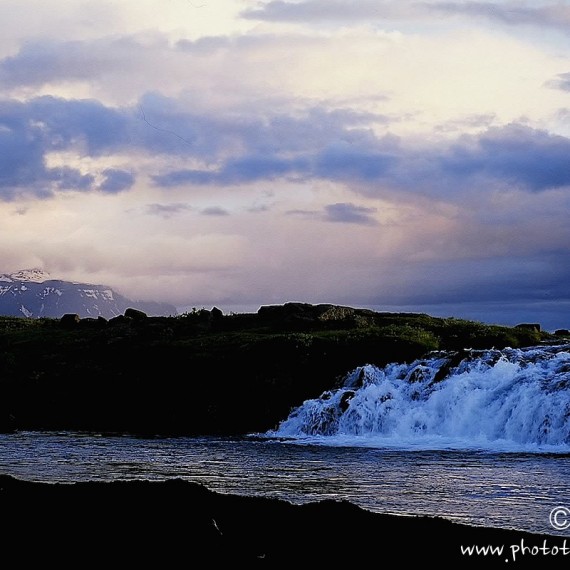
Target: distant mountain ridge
(32, 293)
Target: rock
(529, 326)
(70, 319)
(118, 320)
(345, 400)
(161, 523)
(562, 332)
(135, 314)
(217, 313)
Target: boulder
(135, 314)
(70, 319)
(529, 326)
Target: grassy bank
(208, 373)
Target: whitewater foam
(498, 400)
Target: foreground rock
(179, 524)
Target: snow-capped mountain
(32, 293)
(34, 275)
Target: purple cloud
(347, 213)
(511, 13)
(116, 180)
(30, 130)
(70, 178)
(514, 154)
(167, 210)
(215, 211)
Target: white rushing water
(502, 400)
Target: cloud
(337, 145)
(341, 212)
(343, 11)
(67, 178)
(511, 13)
(116, 180)
(304, 213)
(30, 130)
(234, 171)
(514, 154)
(533, 277)
(26, 136)
(561, 81)
(403, 145)
(167, 210)
(355, 162)
(215, 211)
(88, 125)
(21, 153)
(347, 213)
(331, 10)
(46, 61)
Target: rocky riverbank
(173, 524)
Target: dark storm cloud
(31, 130)
(515, 154)
(332, 164)
(116, 180)
(86, 124)
(347, 213)
(345, 162)
(21, 149)
(60, 124)
(279, 145)
(67, 178)
(164, 127)
(323, 144)
(535, 277)
(261, 167)
(26, 135)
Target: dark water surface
(508, 490)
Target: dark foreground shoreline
(178, 524)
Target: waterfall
(511, 399)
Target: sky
(396, 155)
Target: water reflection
(496, 489)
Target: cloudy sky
(390, 154)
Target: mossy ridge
(204, 372)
